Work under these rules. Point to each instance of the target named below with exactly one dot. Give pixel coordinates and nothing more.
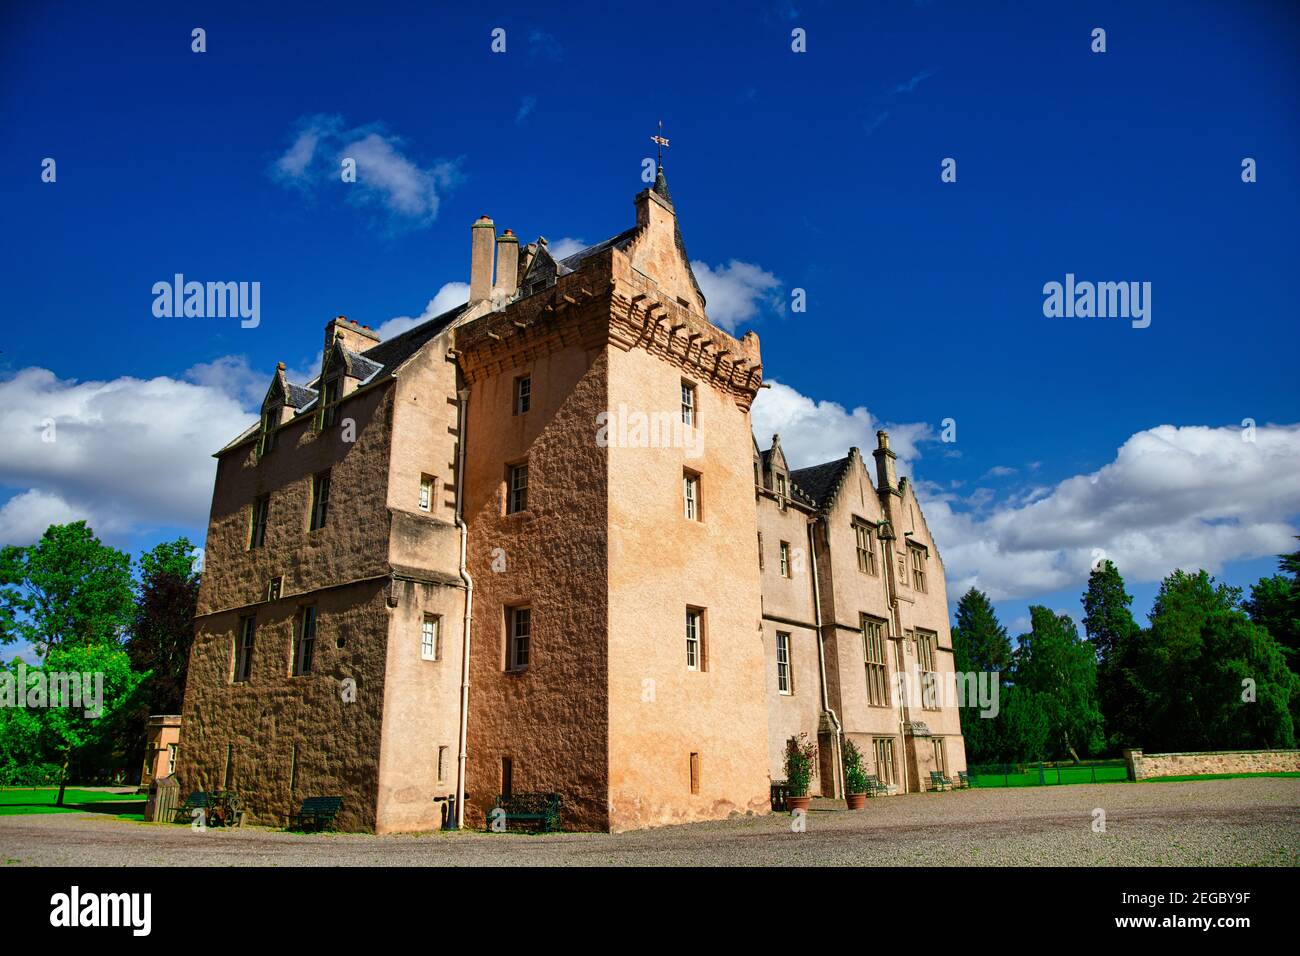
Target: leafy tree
(66, 590)
(980, 644)
(1060, 669)
(1107, 620)
(1274, 604)
(1023, 730)
(1203, 662)
(163, 629)
(1109, 624)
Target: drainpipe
(821, 658)
(463, 394)
(900, 656)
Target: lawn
(1032, 777)
(123, 804)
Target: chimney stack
(482, 245)
(886, 480)
(507, 267)
(356, 338)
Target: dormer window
(266, 439)
(329, 398)
(780, 485)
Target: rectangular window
(426, 493)
(694, 639)
(305, 645)
(320, 500)
(784, 683)
(918, 568)
(760, 551)
(940, 764)
(244, 648)
(688, 403)
(785, 559)
(866, 547)
(519, 621)
(517, 488)
(171, 759)
(266, 442)
(523, 394)
(257, 527)
(431, 638)
(329, 398)
(507, 777)
(293, 766)
(926, 647)
(873, 655)
(691, 495)
(695, 773)
(884, 747)
(442, 764)
(274, 587)
(780, 485)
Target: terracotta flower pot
(856, 801)
(797, 803)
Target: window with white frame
(694, 639)
(784, 676)
(691, 495)
(927, 645)
(244, 649)
(519, 624)
(304, 647)
(884, 753)
(785, 559)
(523, 394)
(866, 547)
(688, 403)
(426, 492)
(431, 638)
(517, 488)
(918, 568)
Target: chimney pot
(482, 252)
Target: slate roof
(298, 395)
(362, 367)
(391, 353)
(820, 482)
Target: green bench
(938, 781)
(963, 778)
(198, 800)
(317, 813)
(542, 808)
(875, 788)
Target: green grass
(1179, 778)
(1068, 775)
(29, 800)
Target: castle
(438, 572)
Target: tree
(65, 729)
(1110, 627)
(1274, 604)
(66, 590)
(1214, 677)
(163, 629)
(1060, 669)
(980, 644)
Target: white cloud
(1000, 471)
(127, 454)
(736, 291)
(563, 248)
(386, 177)
(813, 432)
(233, 375)
(1174, 497)
(448, 297)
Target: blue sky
(816, 170)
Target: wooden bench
(316, 814)
(543, 808)
(938, 781)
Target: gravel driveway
(1213, 822)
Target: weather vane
(661, 141)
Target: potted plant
(855, 776)
(800, 758)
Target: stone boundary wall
(1143, 766)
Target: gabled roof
(821, 482)
(391, 353)
(296, 396)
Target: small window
(274, 588)
(244, 649)
(780, 485)
(305, 645)
(519, 621)
(940, 764)
(329, 398)
(695, 773)
(918, 568)
(691, 495)
(442, 764)
(426, 492)
(688, 403)
(785, 559)
(257, 527)
(431, 638)
(760, 551)
(266, 438)
(784, 683)
(523, 394)
(507, 777)
(695, 658)
(866, 547)
(320, 500)
(517, 488)
(171, 759)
